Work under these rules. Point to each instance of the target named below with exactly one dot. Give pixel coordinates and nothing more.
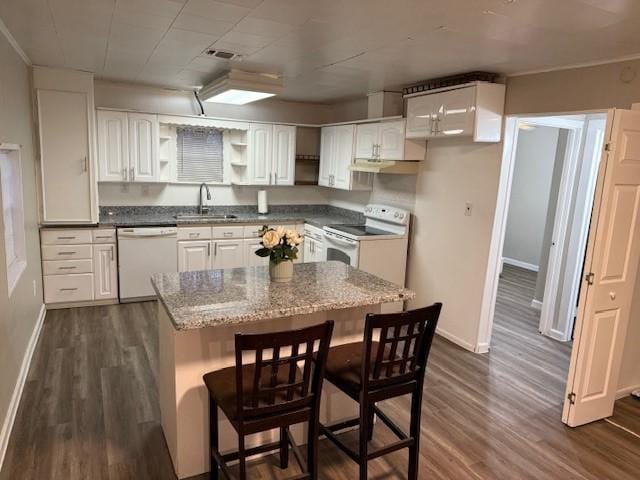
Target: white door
(105, 272)
(327, 155)
(284, 154)
(457, 115)
(194, 255)
(343, 156)
(613, 251)
(253, 260)
(144, 137)
(65, 158)
(391, 140)
(113, 146)
(367, 140)
(421, 112)
(260, 154)
(228, 253)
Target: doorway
(546, 213)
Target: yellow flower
(271, 238)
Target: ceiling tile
(139, 18)
(183, 42)
(246, 39)
(196, 23)
(243, 3)
(206, 64)
(128, 37)
(82, 53)
(284, 11)
(237, 48)
(223, 12)
(79, 16)
(265, 28)
(165, 8)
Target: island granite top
(210, 298)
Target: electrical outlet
(468, 209)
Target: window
(12, 213)
(200, 154)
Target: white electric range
(379, 246)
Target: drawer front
(65, 267)
(194, 233)
(68, 288)
(65, 236)
(251, 231)
(66, 252)
(227, 232)
(104, 235)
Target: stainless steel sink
(204, 216)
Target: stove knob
(397, 214)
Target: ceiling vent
(223, 55)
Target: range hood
(405, 167)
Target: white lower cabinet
(105, 272)
(79, 266)
(314, 250)
(250, 247)
(228, 253)
(194, 255)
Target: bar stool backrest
(288, 373)
(403, 347)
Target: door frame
(494, 264)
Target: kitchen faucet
(202, 210)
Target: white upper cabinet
(260, 153)
(474, 111)
(113, 146)
(128, 147)
(337, 152)
(284, 154)
(143, 147)
(271, 154)
(380, 140)
(66, 134)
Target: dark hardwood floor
(90, 411)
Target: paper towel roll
(263, 205)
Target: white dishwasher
(141, 253)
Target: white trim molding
(623, 392)
(10, 417)
(12, 41)
(457, 340)
(521, 264)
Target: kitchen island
(200, 312)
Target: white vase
(281, 272)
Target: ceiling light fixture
(239, 88)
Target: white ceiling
(325, 49)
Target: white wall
(20, 312)
(530, 190)
(448, 251)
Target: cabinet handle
(105, 237)
(194, 235)
(227, 234)
(68, 289)
(67, 253)
(111, 250)
(275, 179)
(85, 164)
(209, 249)
(66, 268)
(65, 238)
(215, 249)
(132, 174)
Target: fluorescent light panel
(238, 97)
(239, 88)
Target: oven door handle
(334, 238)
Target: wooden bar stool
(396, 366)
(277, 390)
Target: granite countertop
(317, 215)
(221, 297)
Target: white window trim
(16, 268)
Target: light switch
(468, 208)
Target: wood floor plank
(90, 407)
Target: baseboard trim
(623, 392)
(537, 304)
(521, 264)
(458, 341)
(7, 425)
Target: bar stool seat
(222, 386)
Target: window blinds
(199, 154)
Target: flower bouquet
(281, 246)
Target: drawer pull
(194, 235)
(227, 234)
(67, 253)
(68, 289)
(107, 237)
(66, 238)
(66, 268)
